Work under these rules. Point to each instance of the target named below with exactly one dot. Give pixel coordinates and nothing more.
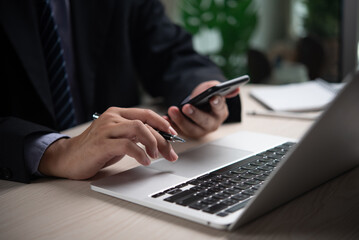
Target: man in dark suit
(109, 47)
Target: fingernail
(189, 110)
(172, 114)
(155, 153)
(172, 131)
(173, 155)
(215, 101)
(147, 161)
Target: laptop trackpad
(200, 160)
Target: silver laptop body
(329, 148)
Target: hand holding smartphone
(201, 101)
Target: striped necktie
(56, 68)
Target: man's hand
(202, 122)
(106, 141)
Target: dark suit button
(5, 173)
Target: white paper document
(297, 97)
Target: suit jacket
(117, 44)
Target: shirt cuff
(35, 147)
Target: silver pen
(167, 136)
(293, 115)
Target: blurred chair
(259, 67)
(310, 52)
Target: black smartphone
(201, 101)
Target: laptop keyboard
(228, 189)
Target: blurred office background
(274, 41)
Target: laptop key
(257, 163)
(205, 193)
(232, 191)
(261, 177)
(239, 197)
(235, 181)
(174, 191)
(194, 182)
(238, 171)
(256, 187)
(255, 171)
(247, 175)
(249, 192)
(168, 190)
(197, 205)
(190, 199)
(252, 182)
(215, 208)
(222, 195)
(266, 168)
(230, 174)
(215, 188)
(242, 186)
(158, 194)
(210, 201)
(179, 196)
(272, 164)
(248, 167)
(181, 185)
(237, 206)
(218, 198)
(238, 180)
(207, 184)
(264, 160)
(222, 214)
(229, 202)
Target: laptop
(228, 182)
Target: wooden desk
(64, 209)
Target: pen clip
(95, 115)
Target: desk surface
(65, 209)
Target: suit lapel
(83, 28)
(20, 24)
(90, 21)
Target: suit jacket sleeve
(13, 133)
(166, 60)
